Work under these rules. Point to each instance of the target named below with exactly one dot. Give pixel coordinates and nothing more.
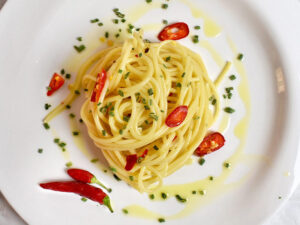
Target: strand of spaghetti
(224, 71)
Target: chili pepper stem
(96, 181)
(106, 202)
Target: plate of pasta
(126, 112)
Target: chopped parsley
(164, 6)
(150, 91)
(232, 77)
(120, 71)
(69, 164)
(116, 21)
(79, 48)
(148, 1)
(46, 126)
(94, 20)
(118, 13)
(178, 85)
(75, 133)
(100, 24)
(126, 75)
(47, 106)
(56, 140)
(229, 110)
(211, 178)
(68, 106)
(227, 164)
(153, 116)
(113, 169)
(201, 161)
(180, 199)
(94, 160)
(121, 93)
(240, 56)
(202, 192)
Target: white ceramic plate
(37, 39)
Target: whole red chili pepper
(85, 190)
(86, 177)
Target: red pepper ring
(210, 143)
(177, 116)
(86, 177)
(100, 82)
(174, 31)
(56, 82)
(85, 190)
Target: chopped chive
(131, 178)
(47, 106)
(211, 178)
(130, 26)
(279, 197)
(197, 27)
(140, 54)
(227, 165)
(71, 115)
(240, 56)
(46, 126)
(195, 39)
(75, 133)
(180, 199)
(150, 101)
(94, 160)
(68, 76)
(162, 110)
(118, 13)
(164, 6)
(116, 21)
(121, 131)
(68, 106)
(165, 22)
(100, 24)
(117, 35)
(165, 66)
(111, 113)
(201, 161)
(161, 220)
(168, 58)
(79, 48)
(62, 71)
(83, 199)
(56, 140)
(194, 192)
(125, 211)
(79, 38)
(151, 196)
(164, 195)
(183, 74)
(126, 75)
(113, 169)
(229, 110)
(146, 107)
(120, 71)
(116, 177)
(40, 150)
(150, 91)
(106, 34)
(148, 1)
(77, 92)
(155, 147)
(123, 20)
(94, 20)
(146, 122)
(196, 118)
(69, 164)
(224, 96)
(121, 93)
(232, 77)
(103, 132)
(80, 120)
(126, 118)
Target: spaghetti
(146, 82)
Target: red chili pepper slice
(85, 190)
(177, 116)
(100, 82)
(56, 82)
(86, 177)
(174, 31)
(130, 161)
(210, 143)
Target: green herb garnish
(197, 27)
(75, 133)
(94, 20)
(240, 56)
(47, 106)
(229, 110)
(164, 6)
(180, 199)
(79, 48)
(69, 164)
(40, 150)
(232, 77)
(121, 93)
(150, 91)
(46, 126)
(201, 161)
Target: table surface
(288, 214)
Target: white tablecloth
(289, 214)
